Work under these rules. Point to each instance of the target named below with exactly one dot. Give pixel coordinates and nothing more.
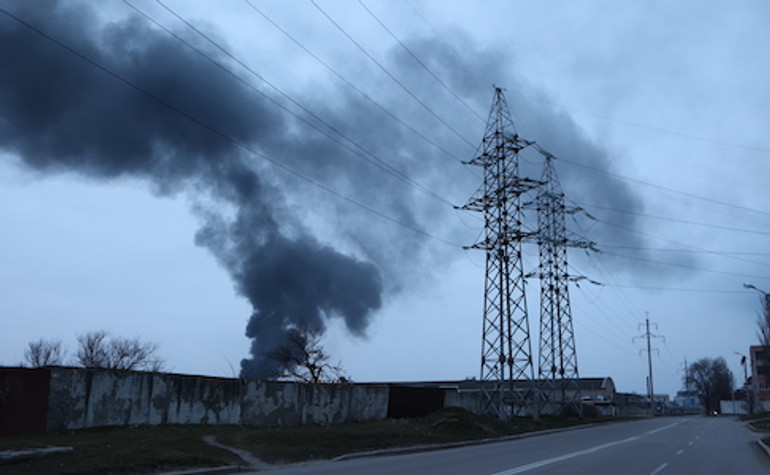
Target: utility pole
(747, 396)
(686, 375)
(557, 364)
(506, 353)
(649, 335)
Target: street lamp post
(764, 294)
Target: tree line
(301, 358)
(96, 349)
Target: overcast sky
(196, 172)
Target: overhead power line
(663, 188)
(359, 149)
(351, 85)
(448, 44)
(689, 251)
(393, 77)
(677, 220)
(421, 63)
(692, 248)
(676, 289)
(604, 117)
(685, 266)
(218, 132)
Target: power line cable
(676, 220)
(606, 340)
(393, 77)
(677, 243)
(677, 289)
(590, 113)
(605, 312)
(449, 46)
(218, 132)
(354, 87)
(692, 251)
(621, 296)
(663, 188)
(685, 266)
(380, 163)
(421, 63)
(724, 254)
(375, 160)
(650, 127)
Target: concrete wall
(761, 406)
(81, 398)
(733, 407)
(53, 399)
(471, 401)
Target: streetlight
(764, 294)
(754, 287)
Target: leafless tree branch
(42, 353)
(304, 359)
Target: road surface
(660, 446)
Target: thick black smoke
(58, 113)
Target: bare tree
(44, 353)
(713, 380)
(304, 359)
(95, 350)
(92, 349)
(131, 353)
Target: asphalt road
(660, 446)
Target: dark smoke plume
(61, 114)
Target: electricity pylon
(649, 335)
(506, 350)
(557, 363)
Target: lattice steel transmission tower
(557, 363)
(506, 355)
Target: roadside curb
(764, 447)
(393, 451)
(215, 470)
(761, 444)
(15, 455)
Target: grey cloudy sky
(166, 186)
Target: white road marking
(680, 452)
(655, 431)
(689, 443)
(659, 469)
(544, 462)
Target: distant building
(760, 375)
(596, 392)
(688, 401)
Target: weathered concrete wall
(471, 401)
(81, 398)
(275, 403)
(733, 407)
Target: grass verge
(318, 442)
(119, 450)
(149, 449)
